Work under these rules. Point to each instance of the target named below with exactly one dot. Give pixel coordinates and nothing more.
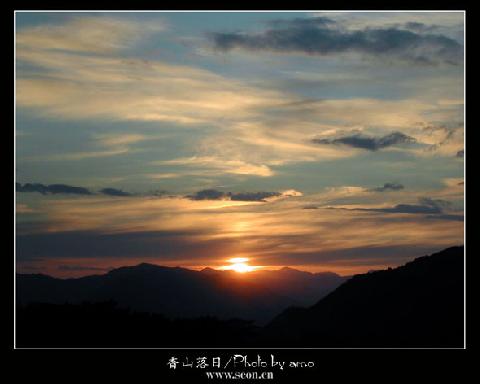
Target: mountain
(183, 293)
(104, 324)
(304, 287)
(420, 304)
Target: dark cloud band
(52, 189)
(388, 187)
(368, 142)
(213, 194)
(164, 245)
(114, 192)
(66, 189)
(206, 194)
(435, 208)
(324, 36)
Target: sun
(239, 264)
(241, 267)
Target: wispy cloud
(107, 84)
(251, 125)
(78, 155)
(23, 208)
(240, 129)
(209, 164)
(426, 206)
(205, 231)
(445, 138)
(107, 145)
(165, 175)
(86, 35)
(119, 140)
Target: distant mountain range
(178, 292)
(420, 304)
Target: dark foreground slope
(99, 325)
(420, 304)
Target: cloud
(446, 217)
(368, 142)
(78, 155)
(453, 189)
(86, 35)
(52, 189)
(167, 175)
(408, 208)
(114, 192)
(253, 196)
(93, 78)
(323, 36)
(110, 145)
(212, 165)
(180, 231)
(23, 208)
(208, 194)
(426, 205)
(440, 204)
(291, 193)
(445, 138)
(299, 22)
(82, 268)
(162, 245)
(249, 122)
(370, 256)
(419, 27)
(213, 194)
(66, 189)
(388, 187)
(120, 140)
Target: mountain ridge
(413, 305)
(148, 287)
(144, 265)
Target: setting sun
(241, 267)
(239, 264)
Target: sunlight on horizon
(240, 265)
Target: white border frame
(236, 11)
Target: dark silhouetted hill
(104, 324)
(184, 293)
(420, 304)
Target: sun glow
(242, 267)
(239, 264)
(237, 260)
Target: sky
(324, 141)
